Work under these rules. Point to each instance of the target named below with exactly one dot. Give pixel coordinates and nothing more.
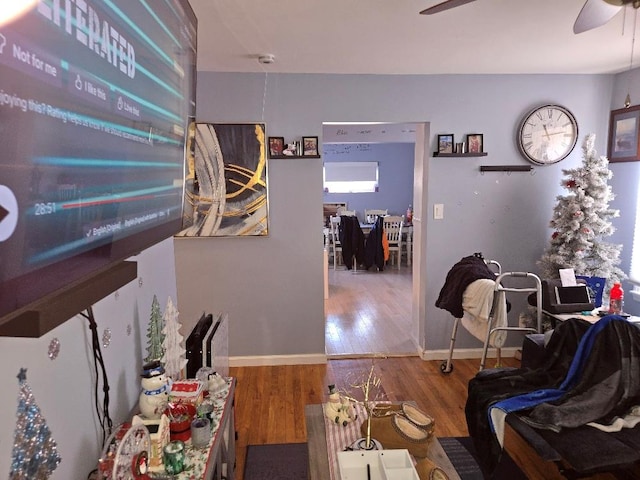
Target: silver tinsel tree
(35, 454)
(582, 220)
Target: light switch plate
(438, 211)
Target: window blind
(634, 274)
(351, 171)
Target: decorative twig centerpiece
(370, 386)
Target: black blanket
(602, 380)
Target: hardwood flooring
(270, 402)
(369, 312)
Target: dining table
(407, 237)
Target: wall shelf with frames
(465, 154)
(293, 156)
(506, 168)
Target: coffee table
(319, 456)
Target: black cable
(105, 420)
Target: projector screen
(95, 102)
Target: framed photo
(445, 143)
(474, 143)
(624, 140)
(309, 145)
(276, 146)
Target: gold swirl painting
(226, 181)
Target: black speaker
(194, 342)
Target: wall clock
(547, 134)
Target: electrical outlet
(438, 211)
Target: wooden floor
(270, 402)
(369, 312)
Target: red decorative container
(180, 417)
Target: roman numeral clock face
(547, 134)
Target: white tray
(383, 465)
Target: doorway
(370, 313)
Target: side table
(319, 456)
(218, 459)
(561, 317)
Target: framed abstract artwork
(226, 181)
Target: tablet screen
(574, 294)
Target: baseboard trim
(356, 356)
(312, 359)
(268, 360)
(508, 352)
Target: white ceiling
(390, 37)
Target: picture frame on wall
(309, 146)
(624, 135)
(475, 143)
(445, 143)
(232, 199)
(276, 146)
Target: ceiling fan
(594, 13)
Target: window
(350, 177)
(634, 274)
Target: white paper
(568, 277)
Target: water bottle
(616, 299)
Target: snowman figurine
(216, 383)
(155, 390)
(339, 409)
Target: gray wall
(63, 387)
(503, 215)
(395, 175)
(272, 287)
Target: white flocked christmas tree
(175, 358)
(582, 221)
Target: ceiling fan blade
(594, 13)
(441, 7)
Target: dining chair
(346, 213)
(392, 226)
(370, 216)
(334, 239)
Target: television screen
(95, 102)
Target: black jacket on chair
(352, 241)
(373, 250)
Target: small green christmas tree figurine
(581, 220)
(155, 350)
